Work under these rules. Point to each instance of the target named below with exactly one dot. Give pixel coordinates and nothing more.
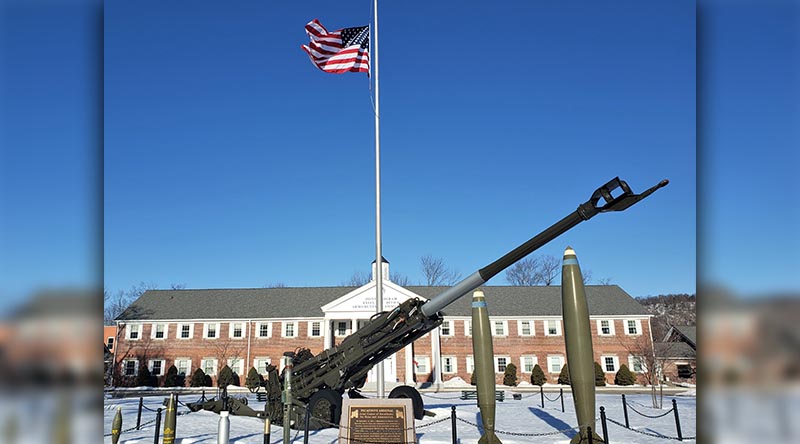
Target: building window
(110, 343)
(500, 363)
(423, 364)
(209, 366)
(131, 367)
(610, 364)
(184, 366)
(684, 371)
(525, 328)
(236, 365)
(500, 328)
(264, 330)
(211, 330)
(315, 329)
(552, 327)
(470, 365)
(636, 364)
(449, 364)
(605, 327)
(527, 363)
(554, 364)
(237, 330)
(289, 329)
(261, 365)
(634, 327)
(159, 331)
(468, 328)
(133, 331)
(447, 328)
(157, 367)
(341, 328)
(185, 331)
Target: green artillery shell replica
(116, 426)
(484, 367)
(170, 420)
(578, 336)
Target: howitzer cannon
(319, 382)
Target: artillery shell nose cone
(569, 251)
(478, 294)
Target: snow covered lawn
(514, 416)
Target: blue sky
(231, 161)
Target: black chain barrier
(144, 424)
(650, 416)
(554, 399)
(653, 435)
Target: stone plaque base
(377, 421)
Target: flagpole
(378, 255)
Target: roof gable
(362, 299)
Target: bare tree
(177, 286)
(278, 284)
(604, 281)
(587, 276)
(399, 279)
(652, 362)
(115, 303)
(524, 272)
(549, 269)
(228, 348)
(436, 272)
(357, 279)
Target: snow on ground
(517, 416)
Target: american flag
(338, 51)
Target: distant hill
(669, 310)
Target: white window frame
(424, 362)
(188, 366)
(494, 328)
(216, 330)
(467, 328)
(151, 365)
(547, 327)
(231, 327)
(154, 329)
(470, 364)
(615, 361)
(530, 325)
(497, 363)
(215, 365)
(258, 329)
(450, 328)
(113, 340)
(294, 325)
(241, 365)
(257, 361)
(131, 329)
(638, 327)
(135, 367)
(453, 362)
(347, 328)
(311, 329)
(534, 361)
(610, 327)
(632, 360)
(551, 359)
(179, 331)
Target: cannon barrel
(585, 211)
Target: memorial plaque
(377, 421)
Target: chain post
(158, 425)
(139, 415)
(625, 412)
(603, 424)
(589, 434)
(677, 419)
(562, 399)
(541, 393)
(453, 424)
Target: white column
(353, 325)
(328, 333)
(436, 357)
(409, 364)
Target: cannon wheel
(325, 407)
(405, 391)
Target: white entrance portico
(348, 313)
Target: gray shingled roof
(294, 302)
(674, 350)
(689, 332)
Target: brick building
(246, 328)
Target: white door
(389, 370)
